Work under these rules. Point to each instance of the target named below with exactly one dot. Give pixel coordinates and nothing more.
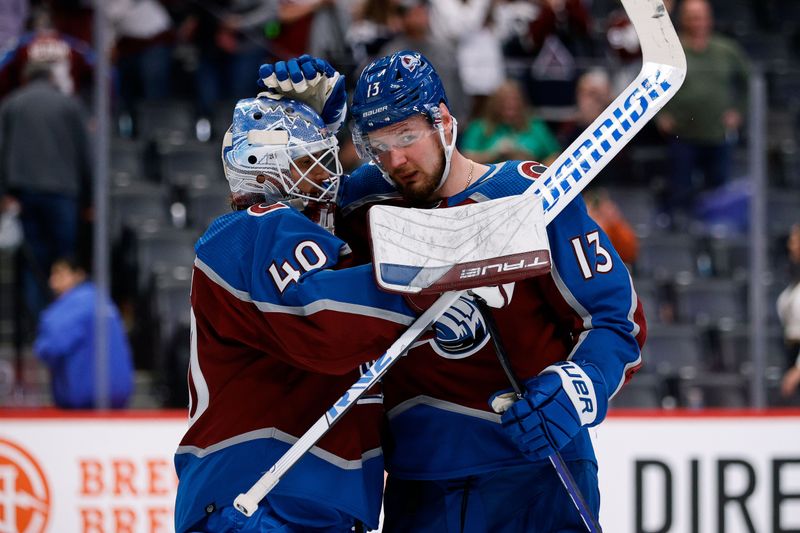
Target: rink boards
(703, 472)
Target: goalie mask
(280, 150)
(395, 88)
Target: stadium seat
(165, 121)
(191, 164)
(674, 349)
(649, 294)
(665, 256)
(138, 204)
(783, 209)
(171, 300)
(637, 204)
(711, 301)
(734, 353)
(714, 390)
(127, 160)
(206, 204)
(774, 396)
(649, 163)
(643, 391)
(163, 250)
(730, 256)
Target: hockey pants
(527, 499)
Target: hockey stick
(662, 73)
(560, 466)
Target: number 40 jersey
(277, 337)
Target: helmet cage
(264, 144)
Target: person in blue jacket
(65, 341)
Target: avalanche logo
(410, 62)
(531, 169)
(460, 331)
(24, 494)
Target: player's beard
(421, 192)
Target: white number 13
(602, 265)
(373, 88)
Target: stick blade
(657, 37)
(425, 251)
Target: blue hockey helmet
(271, 137)
(392, 89)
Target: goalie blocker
(429, 251)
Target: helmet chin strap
(448, 150)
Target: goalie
(574, 335)
(277, 333)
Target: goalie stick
(663, 71)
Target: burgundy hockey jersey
(277, 337)
(585, 309)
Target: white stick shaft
(248, 503)
(663, 72)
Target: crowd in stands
(524, 79)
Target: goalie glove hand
(557, 403)
(311, 80)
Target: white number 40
(604, 263)
(302, 253)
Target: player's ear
(447, 120)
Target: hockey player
(574, 336)
(277, 333)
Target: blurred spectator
(509, 129)
(703, 119)
(375, 23)
(568, 20)
(416, 35)
(65, 341)
(231, 43)
(296, 19)
(608, 216)
(469, 25)
(71, 17)
(327, 37)
(45, 167)
(452, 20)
(625, 53)
(592, 95)
(143, 34)
(557, 38)
(512, 19)
(789, 314)
(13, 14)
(71, 60)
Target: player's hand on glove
(311, 80)
(557, 403)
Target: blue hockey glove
(557, 403)
(311, 80)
